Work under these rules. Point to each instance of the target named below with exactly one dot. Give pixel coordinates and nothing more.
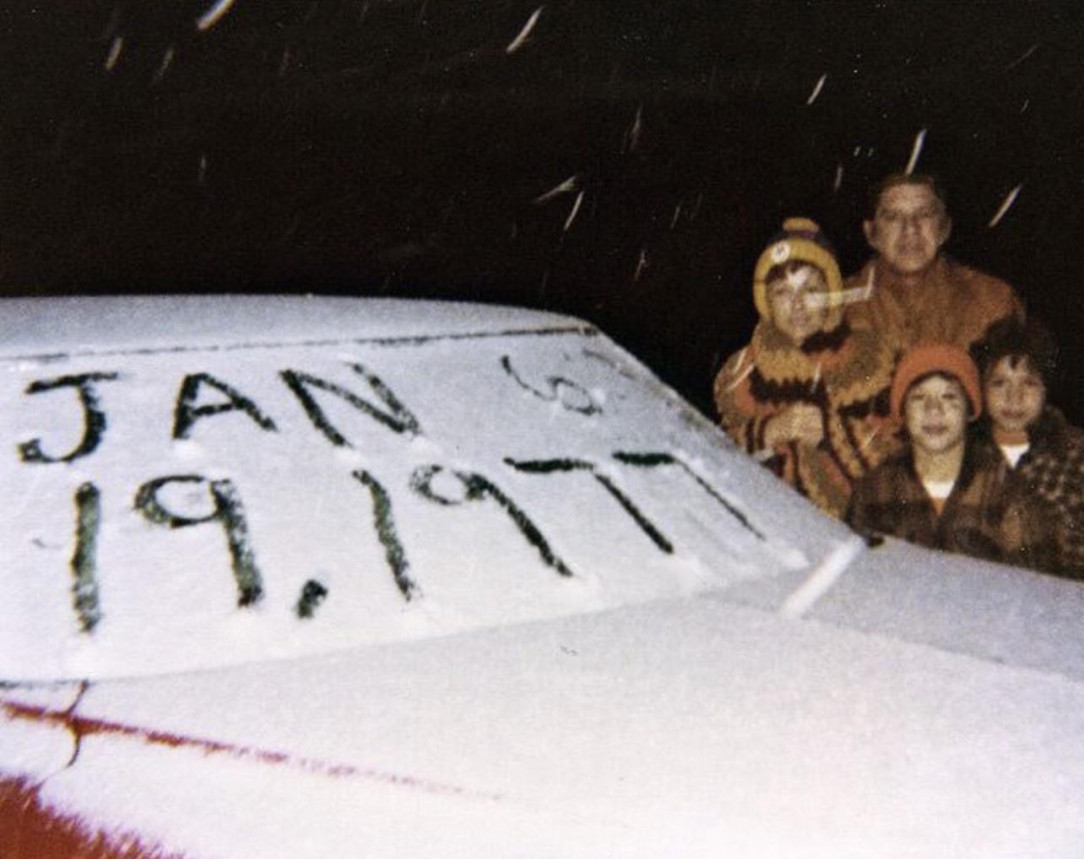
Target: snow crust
(177, 504)
(395, 579)
(679, 727)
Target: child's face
(935, 411)
(798, 302)
(1015, 394)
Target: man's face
(908, 229)
(798, 302)
(935, 411)
(1015, 395)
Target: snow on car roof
(195, 482)
(76, 323)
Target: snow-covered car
(310, 577)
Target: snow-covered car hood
(312, 577)
(223, 479)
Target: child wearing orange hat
(807, 396)
(940, 491)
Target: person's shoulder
(984, 456)
(893, 466)
(731, 383)
(977, 278)
(860, 278)
(1073, 438)
(1055, 437)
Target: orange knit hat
(927, 358)
(801, 240)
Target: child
(1031, 439)
(807, 395)
(940, 491)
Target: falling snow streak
(114, 53)
(213, 15)
(696, 206)
(641, 265)
(525, 33)
(1022, 57)
(817, 89)
(839, 178)
(1006, 204)
(575, 209)
(632, 136)
(81, 727)
(167, 60)
(916, 150)
(570, 184)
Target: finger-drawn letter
(94, 421)
(187, 412)
(395, 416)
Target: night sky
(626, 163)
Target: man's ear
(870, 231)
(946, 231)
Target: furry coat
(952, 303)
(844, 374)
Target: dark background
(394, 147)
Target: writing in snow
(340, 410)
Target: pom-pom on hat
(928, 358)
(801, 240)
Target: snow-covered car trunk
(309, 577)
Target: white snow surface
(527, 468)
(676, 728)
(766, 688)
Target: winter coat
(1053, 469)
(984, 516)
(844, 374)
(952, 303)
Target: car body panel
(768, 686)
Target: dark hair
(893, 180)
(1009, 338)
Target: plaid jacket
(1053, 469)
(985, 516)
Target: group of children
(947, 447)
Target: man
(911, 292)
